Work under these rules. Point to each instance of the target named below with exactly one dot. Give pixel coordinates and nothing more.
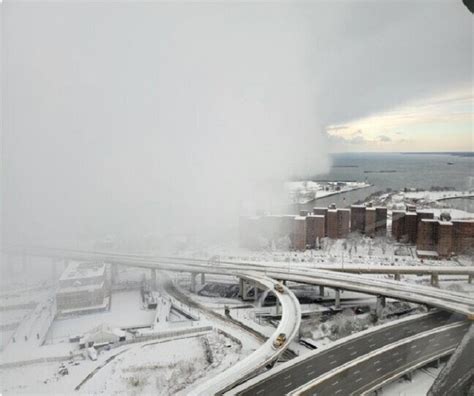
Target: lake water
(397, 171)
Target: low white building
(102, 335)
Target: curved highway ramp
(267, 353)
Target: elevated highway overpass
(372, 371)
(430, 296)
(443, 299)
(267, 353)
(325, 362)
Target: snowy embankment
(306, 191)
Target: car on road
(279, 341)
(279, 288)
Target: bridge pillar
(434, 279)
(469, 279)
(277, 306)
(113, 274)
(244, 288)
(380, 305)
(397, 276)
(203, 278)
(153, 279)
(337, 300)
(193, 282)
(321, 291)
(54, 269)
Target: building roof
(78, 287)
(81, 270)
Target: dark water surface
(397, 171)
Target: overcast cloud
(142, 117)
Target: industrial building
(82, 286)
(358, 218)
(443, 237)
(307, 229)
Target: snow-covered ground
(125, 311)
(437, 195)
(356, 250)
(164, 368)
(307, 191)
(427, 200)
(419, 385)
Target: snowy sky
(123, 115)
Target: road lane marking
(371, 345)
(310, 373)
(260, 391)
(288, 376)
(335, 383)
(288, 384)
(380, 368)
(339, 390)
(376, 362)
(353, 353)
(334, 361)
(359, 379)
(357, 372)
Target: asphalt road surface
(370, 373)
(284, 381)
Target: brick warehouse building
(82, 286)
(305, 230)
(398, 225)
(432, 237)
(358, 218)
(442, 238)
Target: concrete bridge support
(380, 305)
(434, 279)
(397, 276)
(469, 279)
(113, 274)
(203, 278)
(244, 288)
(337, 299)
(193, 282)
(153, 279)
(321, 291)
(54, 269)
(456, 377)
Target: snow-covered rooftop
(81, 270)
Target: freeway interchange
(346, 367)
